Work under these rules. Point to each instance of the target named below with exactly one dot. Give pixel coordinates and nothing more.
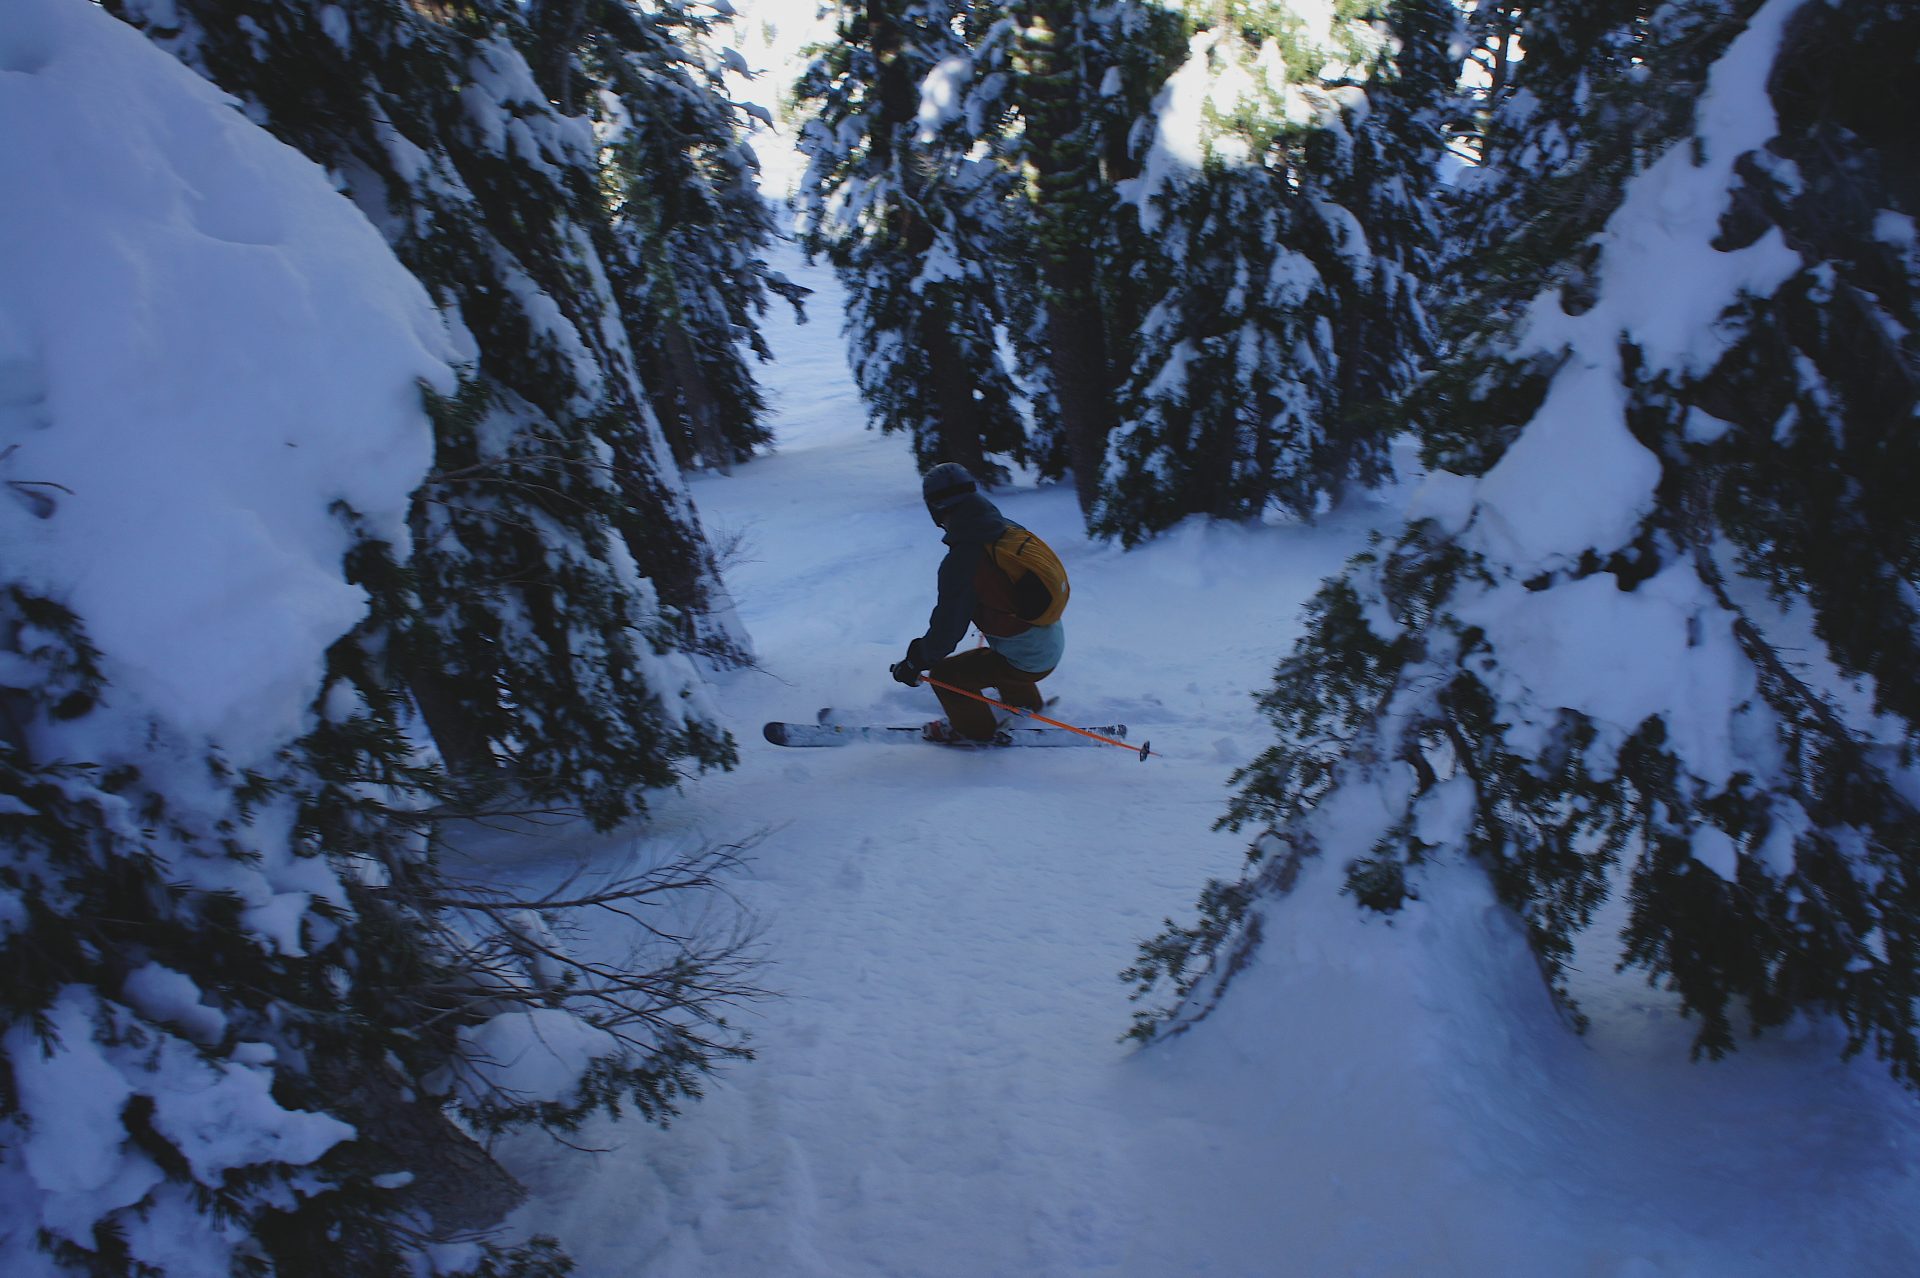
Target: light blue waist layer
(1035, 651)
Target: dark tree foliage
(1784, 884)
(1288, 275)
(356, 1012)
(966, 165)
(1227, 409)
(1813, 480)
(1060, 63)
(112, 877)
(1098, 100)
(911, 221)
(689, 226)
(1562, 131)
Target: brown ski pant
(976, 670)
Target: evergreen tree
(1295, 235)
(911, 219)
(1384, 170)
(1224, 408)
(560, 569)
(1698, 481)
(966, 167)
(149, 987)
(689, 227)
(1079, 69)
(1580, 98)
(204, 1065)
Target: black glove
(904, 672)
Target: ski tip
(775, 733)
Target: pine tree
(189, 1079)
(1069, 56)
(127, 968)
(560, 569)
(1224, 413)
(911, 220)
(1558, 133)
(689, 228)
(1708, 485)
(1288, 265)
(1384, 172)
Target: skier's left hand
(903, 672)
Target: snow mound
(204, 348)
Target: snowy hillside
(939, 1089)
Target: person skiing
(1019, 618)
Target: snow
(939, 1090)
(1895, 228)
(1620, 658)
(1210, 84)
(1445, 498)
(173, 356)
(76, 1081)
(223, 1116)
(773, 39)
(1540, 510)
(171, 998)
(942, 95)
(220, 1116)
(536, 1055)
(1576, 486)
(335, 24)
(1577, 479)
(1657, 288)
(1711, 847)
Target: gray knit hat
(944, 485)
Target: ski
(837, 734)
(828, 715)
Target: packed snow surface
(940, 1091)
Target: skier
(1018, 617)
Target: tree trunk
(557, 26)
(1067, 202)
(455, 1181)
(456, 731)
(699, 412)
(899, 96)
(1082, 384)
(953, 390)
(960, 425)
(462, 743)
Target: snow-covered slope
(940, 1090)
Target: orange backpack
(1039, 578)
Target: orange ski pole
(1141, 749)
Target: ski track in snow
(940, 1090)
